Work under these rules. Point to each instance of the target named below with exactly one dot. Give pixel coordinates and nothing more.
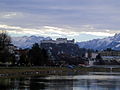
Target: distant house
(91, 55)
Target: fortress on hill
(59, 41)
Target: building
(59, 41)
(91, 55)
(110, 55)
(12, 48)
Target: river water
(84, 81)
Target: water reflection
(92, 81)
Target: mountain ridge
(101, 44)
(112, 42)
(27, 41)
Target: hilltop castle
(59, 41)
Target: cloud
(9, 15)
(57, 31)
(9, 27)
(98, 18)
(43, 31)
(98, 33)
(106, 13)
(60, 31)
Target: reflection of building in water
(58, 41)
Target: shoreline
(26, 71)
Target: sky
(79, 19)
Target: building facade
(110, 55)
(91, 55)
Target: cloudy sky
(79, 19)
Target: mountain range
(96, 44)
(102, 44)
(27, 41)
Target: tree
(99, 59)
(109, 49)
(5, 40)
(45, 56)
(37, 55)
(22, 60)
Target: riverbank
(16, 71)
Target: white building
(91, 55)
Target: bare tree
(5, 40)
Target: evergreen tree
(22, 59)
(45, 56)
(99, 59)
(37, 55)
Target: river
(84, 81)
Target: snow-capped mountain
(96, 44)
(101, 44)
(27, 41)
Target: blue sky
(79, 19)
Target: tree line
(35, 56)
(38, 56)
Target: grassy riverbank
(51, 70)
